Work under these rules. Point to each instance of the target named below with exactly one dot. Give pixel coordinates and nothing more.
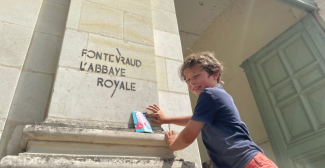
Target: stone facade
(79, 68)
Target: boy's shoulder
(216, 90)
(214, 94)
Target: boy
(224, 135)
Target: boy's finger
(156, 106)
(154, 120)
(173, 132)
(166, 133)
(152, 115)
(150, 106)
(152, 109)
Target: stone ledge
(73, 148)
(78, 161)
(95, 136)
(74, 123)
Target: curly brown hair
(206, 60)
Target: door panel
(287, 78)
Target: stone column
(17, 24)
(116, 57)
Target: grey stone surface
(31, 97)
(62, 2)
(43, 53)
(82, 134)
(51, 161)
(90, 124)
(13, 144)
(27, 15)
(52, 18)
(174, 81)
(13, 51)
(8, 83)
(73, 148)
(164, 20)
(78, 95)
(168, 45)
(74, 14)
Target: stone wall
(89, 61)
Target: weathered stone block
(81, 132)
(174, 82)
(138, 29)
(168, 45)
(139, 7)
(44, 53)
(62, 2)
(31, 97)
(137, 60)
(89, 96)
(72, 148)
(27, 15)
(167, 5)
(78, 161)
(161, 74)
(173, 104)
(52, 18)
(8, 83)
(164, 20)
(72, 46)
(101, 20)
(2, 123)
(13, 147)
(16, 40)
(155, 3)
(74, 14)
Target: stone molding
(61, 130)
(77, 161)
(51, 136)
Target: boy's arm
(180, 120)
(159, 117)
(186, 137)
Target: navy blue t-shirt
(224, 135)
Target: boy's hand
(157, 116)
(170, 137)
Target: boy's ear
(216, 75)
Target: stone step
(59, 136)
(83, 161)
(59, 130)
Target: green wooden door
(287, 78)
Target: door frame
(264, 107)
(306, 5)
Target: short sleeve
(205, 110)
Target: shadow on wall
(31, 99)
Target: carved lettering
(91, 67)
(99, 56)
(104, 69)
(122, 72)
(98, 67)
(110, 58)
(105, 56)
(100, 81)
(91, 52)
